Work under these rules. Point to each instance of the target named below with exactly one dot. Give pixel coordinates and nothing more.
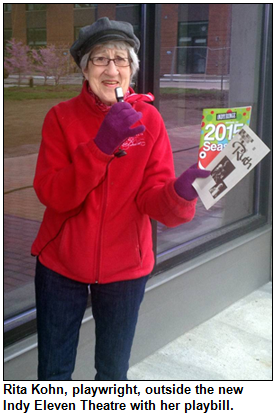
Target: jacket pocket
(123, 253)
(139, 246)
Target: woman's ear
(85, 73)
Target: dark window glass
(192, 51)
(25, 110)
(7, 36)
(36, 6)
(37, 37)
(207, 63)
(84, 5)
(7, 7)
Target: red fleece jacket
(96, 226)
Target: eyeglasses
(102, 61)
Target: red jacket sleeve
(157, 196)
(63, 180)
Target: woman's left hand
(183, 185)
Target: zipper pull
(120, 99)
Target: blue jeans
(61, 303)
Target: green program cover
(218, 127)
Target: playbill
(235, 161)
(218, 127)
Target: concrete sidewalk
(236, 344)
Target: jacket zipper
(100, 238)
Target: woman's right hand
(116, 127)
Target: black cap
(101, 31)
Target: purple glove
(183, 185)
(115, 128)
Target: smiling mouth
(111, 83)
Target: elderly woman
(104, 169)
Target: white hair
(120, 45)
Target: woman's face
(104, 79)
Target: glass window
(207, 64)
(37, 37)
(84, 15)
(36, 6)
(129, 13)
(25, 110)
(7, 36)
(7, 7)
(84, 5)
(192, 50)
(209, 57)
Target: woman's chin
(108, 100)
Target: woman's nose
(111, 68)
